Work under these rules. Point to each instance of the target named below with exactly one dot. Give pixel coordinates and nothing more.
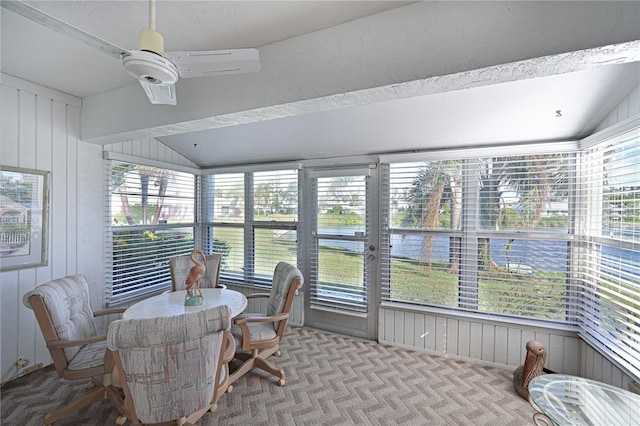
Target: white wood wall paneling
(629, 107)
(9, 123)
(39, 131)
(151, 149)
(487, 343)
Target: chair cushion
(181, 266)
(91, 355)
(67, 300)
(260, 331)
(283, 276)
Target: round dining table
(569, 400)
(172, 303)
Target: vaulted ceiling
(343, 78)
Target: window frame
(249, 225)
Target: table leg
(542, 420)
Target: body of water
(539, 255)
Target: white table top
(172, 303)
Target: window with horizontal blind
(608, 265)
(253, 222)
(488, 235)
(151, 218)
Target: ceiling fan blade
(203, 63)
(48, 21)
(160, 94)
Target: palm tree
(438, 182)
(119, 172)
(535, 180)
(119, 175)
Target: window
(608, 264)
(425, 220)
(253, 222)
(486, 235)
(151, 218)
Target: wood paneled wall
(150, 149)
(489, 343)
(40, 130)
(628, 108)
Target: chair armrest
(69, 343)
(112, 311)
(258, 295)
(246, 320)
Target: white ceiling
(514, 109)
(27, 47)
(521, 111)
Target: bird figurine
(192, 283)
(532, 367)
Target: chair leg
(265, 365)
(76, 405)
(241, 370)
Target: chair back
(63, 311)
(180, 267)
(287, 279)
(169, 366)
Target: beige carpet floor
(330, 380)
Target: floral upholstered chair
(65, 317)
(258, 335)
(172, 369)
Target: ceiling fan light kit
(150, 67)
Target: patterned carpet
(330, 380)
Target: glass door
(343, 252)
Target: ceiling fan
(156, 70)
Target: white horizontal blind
(275, 222)
(255, 222)
(424, 243)
(337, 260)
(483, 235)
(609, 267)
(227, 192)
(523, 225)
(150, 219)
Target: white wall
(39, 129)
